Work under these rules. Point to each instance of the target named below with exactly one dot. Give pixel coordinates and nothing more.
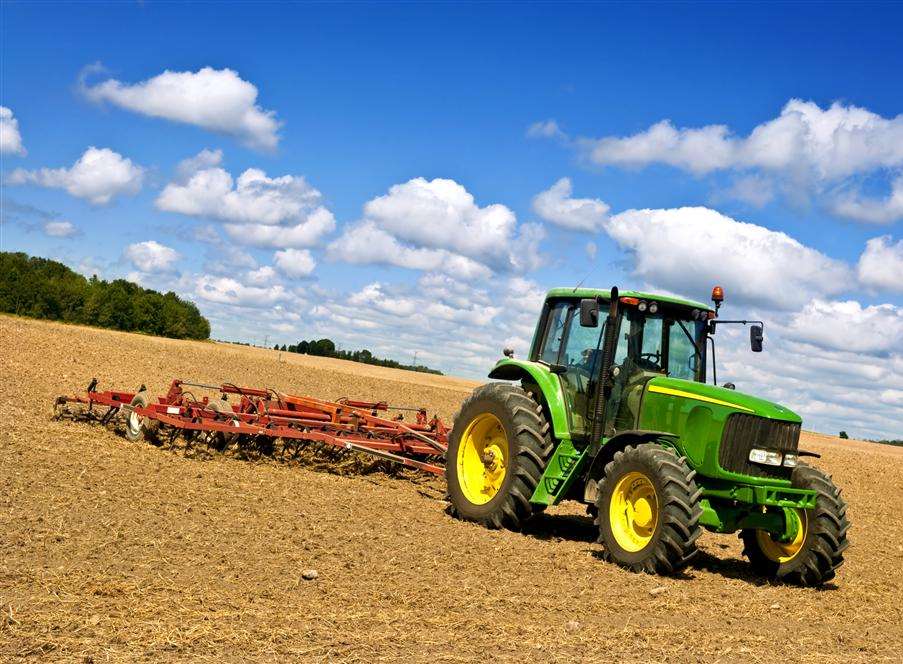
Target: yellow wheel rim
(783, 552)
(483, 459)
(633, 511)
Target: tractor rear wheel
(816, 552)
(648, 510)
(497, 452)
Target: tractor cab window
(684, 359)
(551, 344)
(660, 344)
(649, 341)
(580, 357)
(639, 356)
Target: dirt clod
(310, 575)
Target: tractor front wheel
(497, 452)
(648, 510)
(815, 553)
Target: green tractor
(614, 411)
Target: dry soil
(113, 551)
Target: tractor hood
(718, 397)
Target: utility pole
(415, 357)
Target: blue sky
(406, 145)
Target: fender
(548, 383)
(615, 444)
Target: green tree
(43, 288)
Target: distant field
(115, 551)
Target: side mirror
(755, 338)
(589, 312)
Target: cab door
(579, 363)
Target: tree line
(43, 288)
(327, 348)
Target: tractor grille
(743, 432)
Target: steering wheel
(656, 355)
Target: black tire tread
(678, 504)
(825, 544)
(534, 447)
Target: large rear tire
(813, 557)
(497, 452)
(648, 510)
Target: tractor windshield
(665, 342)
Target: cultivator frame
(261, 416)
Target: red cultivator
(259, 418)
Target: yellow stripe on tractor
(697, 397)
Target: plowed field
(113, 551)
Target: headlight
(768, 457)
(790, 460)
(653, 307)
(641, 306)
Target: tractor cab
(655, 336)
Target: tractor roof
(605, 293)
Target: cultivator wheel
(220, 440)
(814, 554)
(648, 510)
(138, 427)
(497, 452)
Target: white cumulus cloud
(876, 211)
(545, 129)
(151, 256)
(849, 326)
(259, 210)
(10, 138)
(691, 249)
(437, 225)
(262, 276)
(881, 264)
(556, 206)
(60, 228)
(830, 143)
(442, 214)
(203, 160)
(218, 100)
(367, 244)
(295, 263)
(397, 320)
(226, 290)
(319, 223)
(98, 176)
